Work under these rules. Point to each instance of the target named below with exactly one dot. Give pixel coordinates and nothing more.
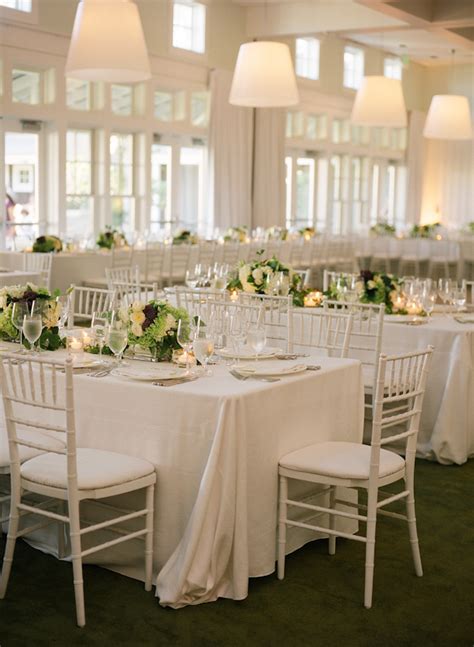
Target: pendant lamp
(449, 117)
(107, 43)
(379, 102)
(264, 76)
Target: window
(160, 187)
(393, 68)
(316, 127)
(79, 212)
(170, 106)
(200, 108)
(122, 100)
(353, 67)
(189, 27)
(19, 5)
(121, 180)
(300, 185)
(307, 58)
(78, 94)
(191, 186)
(26, 86)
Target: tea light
(87, 339)
(307, 235)
(234, 296)
(413, 307)
(399, 302)
(313, 299)
(75, 344)
(183, 358)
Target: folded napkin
(464, 319)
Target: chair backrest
(40, 263)
(320, 329)
(273, 311)
(34, 393)
(129, 274)
(198, 301)
(206, 252)
(127, 293)
(367, 331)
(122, 257)
(85, 301)
(469, 287)
(154, 261)
(176, 263)
(398, 401)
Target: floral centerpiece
(307, 232)
(184, 236)
(48, 306)
(470, 227)
(276, 233)
(154, 327)
(261, 275)
(425, 231)
(47, 244)
(111, 238)
(236, 234)
(383, 229)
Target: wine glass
(203, 346)
(19, 310)
(238, 332)
(32, 327)
(184, 339)
(117, 338)
(99, 325)
(444, 290)
(459, 297)
(256, 339)
(64, 303)
(428, 301)
(192, 278)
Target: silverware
(101, 372)
(312, 367)
(290, 355)
(181, 380)
(260, 378)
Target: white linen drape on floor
(269, 168)
(230, 156)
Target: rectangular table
(19, 278)
(216, 443)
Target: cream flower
(137, 330)
(244, 272)
(137, 317)
(137, 306)
(123, 314)
(248, 287)
(371, 285)
(170, 322)
(258, 275)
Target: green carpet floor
(319, 603)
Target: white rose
(137, 306)
(137, 317)
(248, 287)
(170, 322)
(137, 330)
(371, 285)
(3, 302)
(267, 270)
(123, 314)
(359, 286)
(244, 273)
(258, 275)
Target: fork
(241, 377)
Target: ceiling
(425, 30)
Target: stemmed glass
(238, 332)
(256, 339)
(19, 310)
(459, 297)
(99, 325)
(32, 327)
(117, 338)
(64, 303)
(444, 291)
(203, 346)
(184, 339)
(192, 278)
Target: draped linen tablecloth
(18, 278)
(216, 443)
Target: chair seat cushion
(95, 469)
(27, 452)
(341, 459)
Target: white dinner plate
(405, 319)
(78, 362)
(248, 353)
(270, 369)
(149, 374)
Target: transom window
(189, 26)
(353, 67)
(121, 180)
(122, 100)
(393, 68)
(18, 5)
(26, 86)
(78, 94)
(79, 211)
(307, 58)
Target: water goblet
(459, 297)
(32, 327)
(117, 338)
(19, 310)
(256, 339)
(203, 347)
(184, 339)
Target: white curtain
(230, 156)
(416, 153)
(269, 168)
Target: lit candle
(313, 299)
(413, 307)
(399, 302)
(234, 296)
(86, 338)
(75, 345)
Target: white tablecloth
(18, 278)
(216, 443)
(447, 422)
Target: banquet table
(215, 442)
(18, 278)
(447, 422)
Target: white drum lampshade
(449, 117)
(264, 76)
(107, 43)
(379, 102)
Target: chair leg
(77, 564)
(332, 521)
(283, 507)
(412, 531)
(10, 546)
(370, 550)
(150, 498)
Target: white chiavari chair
(84, 301)
(444, 257)
(273, 311)
(199, 301)
(177, 261)
(122, 257)
(154, 262)
(230, 253)
(400, 386)
(34, 393)
(466, 258)
(469, 287)
(366, 339)
(206, 253)
(128, 293)
(129, 274)
(415, 254)
(41, 264)
(319, 329)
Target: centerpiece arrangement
(153, 326)
(47, 244)
(268, 276)
(470, 227)
(44, 302)
(382, 229)
(185, 236)
(425, 231)
(307, 232)
(111, 238)
(238, 234)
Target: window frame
(392, 61)
(306, 60)
(185, 51)
(356, 52)
(19, 15)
